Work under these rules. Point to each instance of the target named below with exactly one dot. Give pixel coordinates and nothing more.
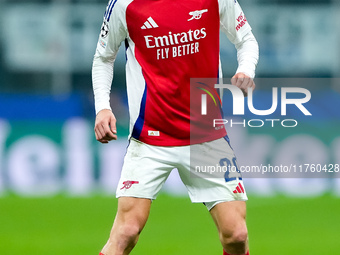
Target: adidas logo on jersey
(149, 23)
(239, 189)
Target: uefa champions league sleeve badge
(104, 31)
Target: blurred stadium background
(57, 183)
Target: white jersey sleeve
(233, 21)
(235, 25)
(113, 32)
(247, 55)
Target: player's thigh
(132, 211)
(230, 217)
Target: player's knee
(240, 236)
(125, 232)
(129, 230)
(237, 238)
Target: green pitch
(80, 226)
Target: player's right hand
(105, 126)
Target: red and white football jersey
(167, 43)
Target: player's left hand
(243, 81)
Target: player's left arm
(247, 58)
(235, 25)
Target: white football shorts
(208, 170)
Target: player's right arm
(113, 32)
(105, 126)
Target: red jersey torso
(173, 42)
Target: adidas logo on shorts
(239, 189)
